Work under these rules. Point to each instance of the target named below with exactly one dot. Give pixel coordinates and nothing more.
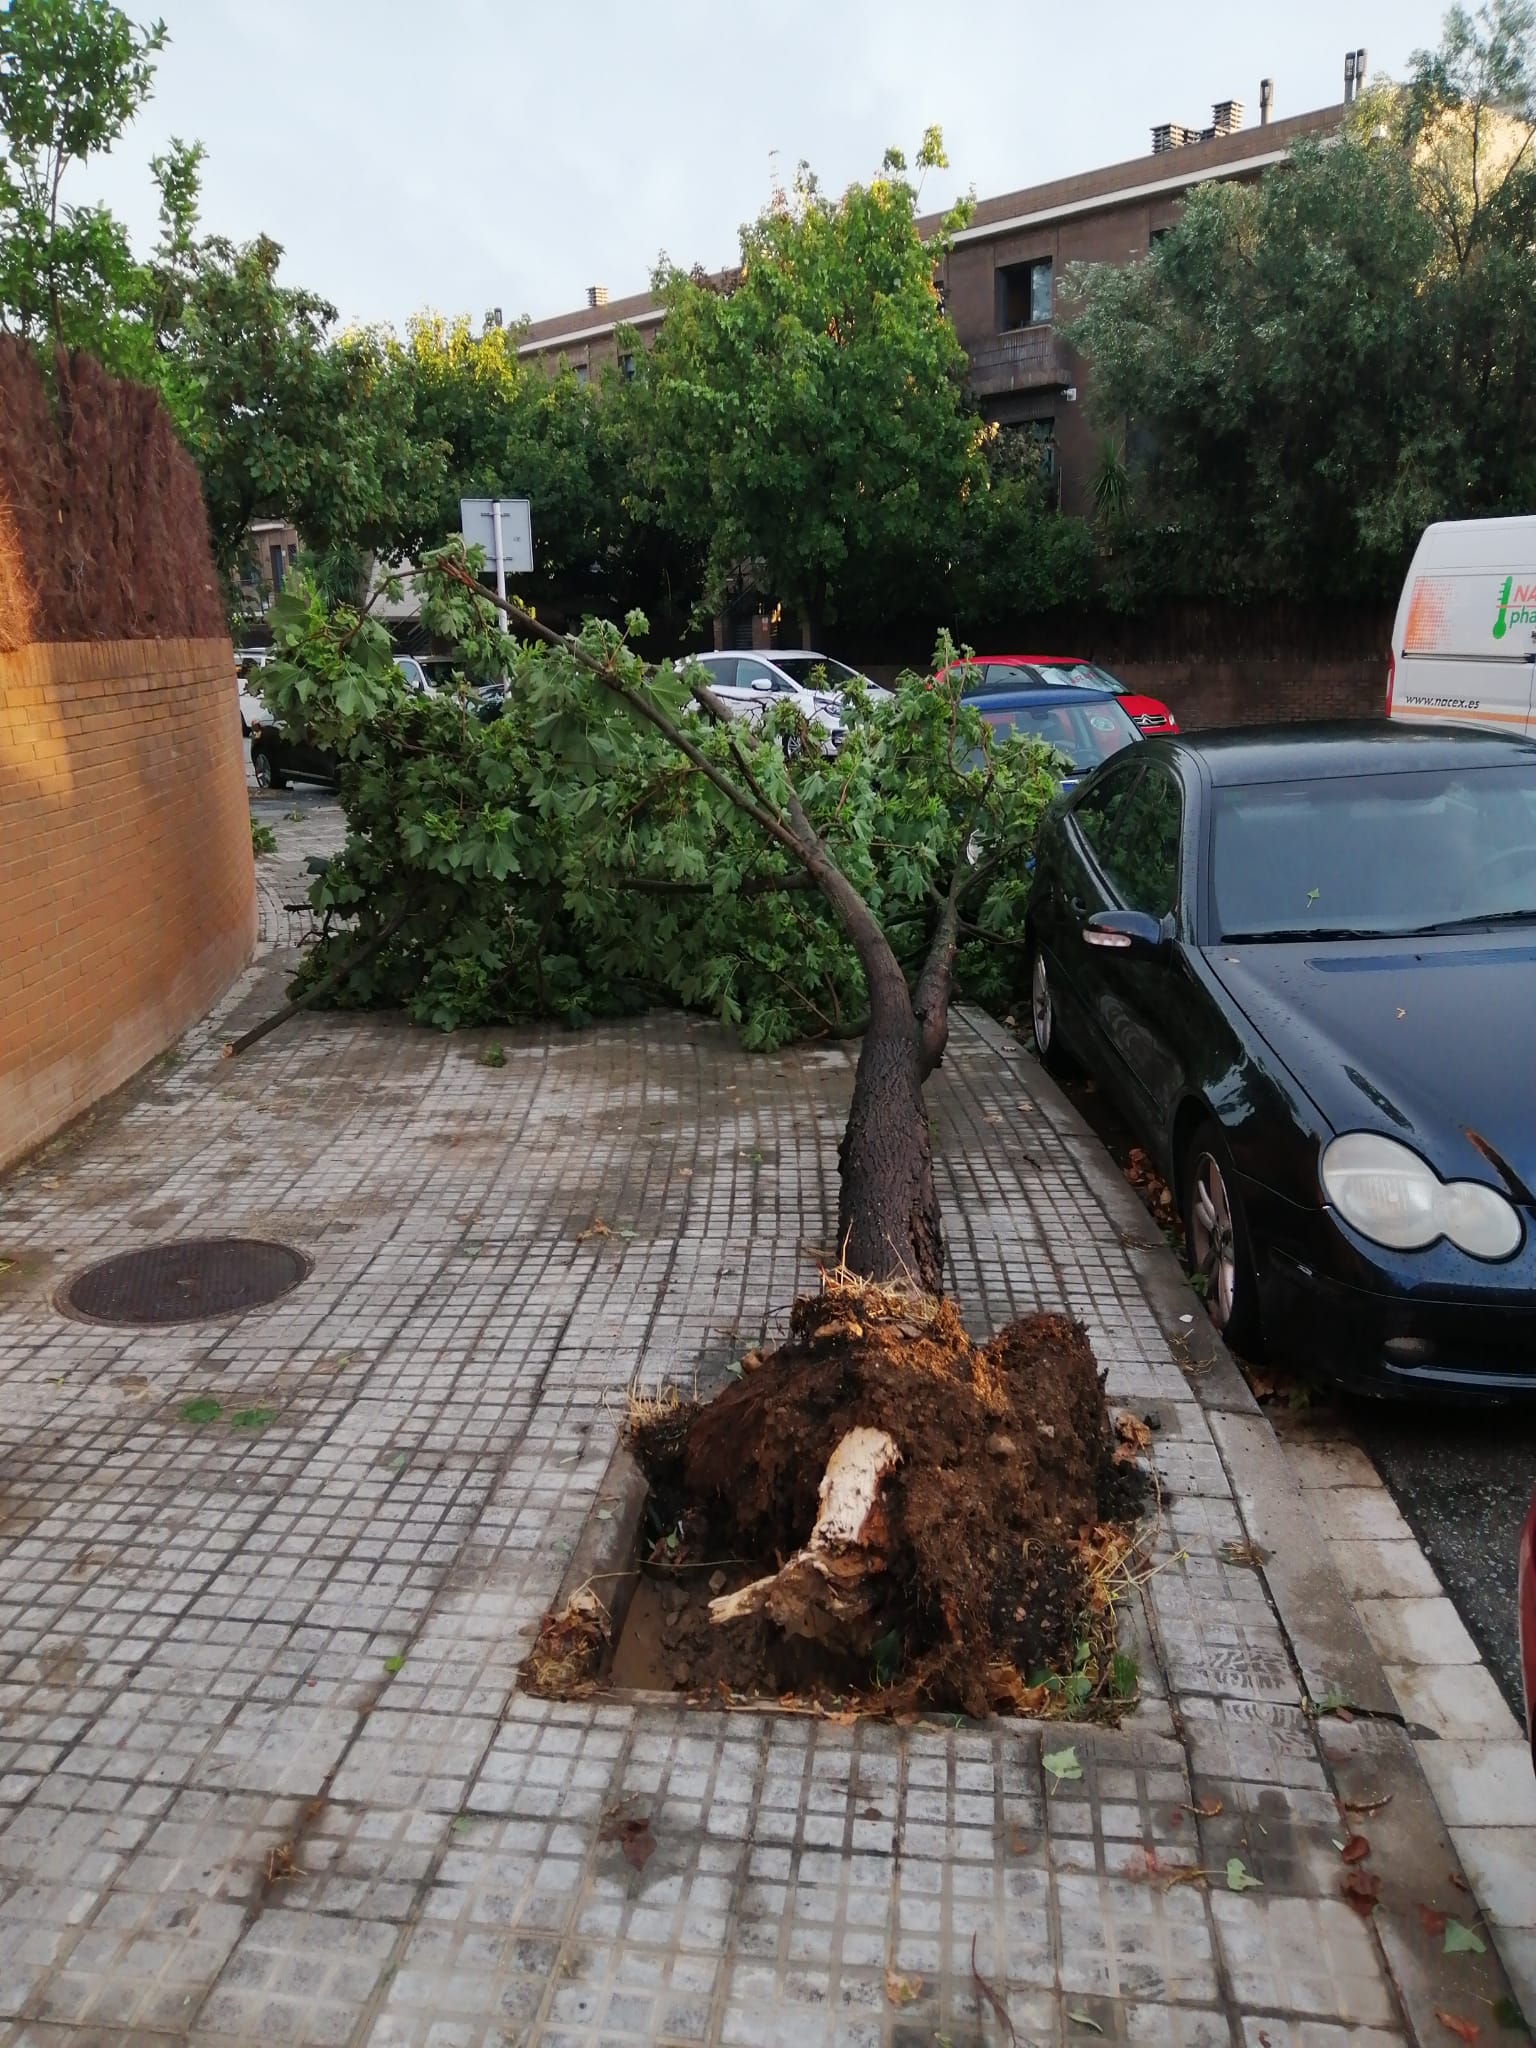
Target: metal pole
(501, 560)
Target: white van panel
(1465, 633)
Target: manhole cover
(191, 1281)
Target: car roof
(768, 654)
(1039, 660)
(1050, 696)
(1278, 753)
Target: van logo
(1517, 606)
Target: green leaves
(1061, 1765)
(564, 861)
(1238, 1878)
(203, 1409)
(1460, 1940)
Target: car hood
(1424, 1040)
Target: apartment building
(1000, 278)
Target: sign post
(504, 528)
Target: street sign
(504, 528)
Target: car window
(1390, 853)
(757, 675)
(1086, 731)
(1097, 811)
(1142, 858)
(816, 671)
(989, 677)
(1088, 675)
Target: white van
(1464, 641)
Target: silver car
(748, 683)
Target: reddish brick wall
(1204, 692)
(127, 891)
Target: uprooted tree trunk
(889, 1227)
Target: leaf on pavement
(902, 1990)
(596, 1228)
(1062, 1763)
(1433, 1920)
(1466, 2030)
(1507, 2014)
(1460, 1940)
(1362, 1891)
(1356, 1849)
(1239, 1878)
(1083, 2019)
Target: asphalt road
(1463, 1482)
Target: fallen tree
(616, 823)
(616, 816)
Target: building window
(626, 367)
(1041, 437)
(1024, 295)
(277, 567)
(1156, 236)
(582, 373)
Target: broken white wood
(822, 1591)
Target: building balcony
(1028, 359)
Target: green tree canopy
(1314, 367)
(73, 73)
(806, 419)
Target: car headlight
(1395, 1198)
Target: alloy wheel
(1041, 1011)
(1213, 1247)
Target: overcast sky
(464, 154)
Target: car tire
(1044, 1018)
(267, 776)
(1217, 1241)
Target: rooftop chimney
(1266, 100)
(1354, 75)
(597, 294)
(1227, 117)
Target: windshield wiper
(1310, 931)
(1298, 933)
(1471, 924)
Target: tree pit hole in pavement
(987, 1572)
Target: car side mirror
(1125, 931)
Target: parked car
(277, 760)
(1526, 1597)
(1036, 671)
(1303, 960)
(1084, 726)
(1464, 639)
(749, 684)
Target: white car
(749, 683)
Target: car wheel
(267, 777)
(1043, 1017)
(1217, 1240)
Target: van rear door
(1466, 633)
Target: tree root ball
(971, 1574)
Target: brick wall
(127, 891)
(1204, 693)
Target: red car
(1033, 671)
(1526, 1606)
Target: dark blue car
(1085, 726)
(1304, 963)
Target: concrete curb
(1373, 1754)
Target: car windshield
(1085, 733)
(815, 671)
(411, 670)
(1086, 674)
(1394, 854)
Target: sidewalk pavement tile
(269, 1776)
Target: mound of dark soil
(987, 1530)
